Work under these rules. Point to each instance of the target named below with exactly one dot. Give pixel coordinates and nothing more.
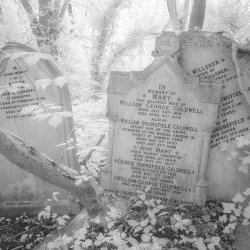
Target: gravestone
(211, 57)
(20, 69)
(160, 124)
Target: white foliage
(60, 81)
(42, 83)
(55, 120)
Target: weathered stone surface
(160, 120)
(242, 237)
(21, 64)
(210, 57)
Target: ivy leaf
(216, 241)
(145, 238)
(60, 81)
(228, 207)
(224, 146)
(54, 195)
(96, 220)
(23, 238)
(133, 223)
(246, 160)
(238, 198)
(234, 154)
(246, 212)
(132, 241)
(144, 223)
(229, 228)
(247, 192)
(42, 83)
(147, 189)
(137, 229)
(223, 218)
(78, 182)
(142, 196)
(55, 121)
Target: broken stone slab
(213, 57)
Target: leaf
(28, 110)
(238, 198)
(65, 113)
(110, 224)
(60, 81)
(138, 204)
(246, 160)
(132, 241)
(61, 221)
(243, 168)
(163, 213)
(234, 154)
(41, 117)
(216, 240)
(23, 238)
(31, 59)
(97, 219)
(147, 189)
(142, 196)
(133, 223)
(145, 238)
(246, 212)
(230, 227)
(54, 195)
(144, 223)
(47, 208)
(247, 192)
(228, 207)
(78, 182)
(224, 146)
(223, 218)
(113, 212)
(55, 121)
(137, 229)
(61, 144)
(42, 83)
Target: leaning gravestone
(160, 123)
(21, 68)
(211, 57)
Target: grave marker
(160, 122)
(20, 68)
(210, 57)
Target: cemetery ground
(141, 223)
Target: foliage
(24, 232)
(150, 224)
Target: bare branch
(197, 14)
(43, 13)
(30, 12)
(63, 10)
(173, 14)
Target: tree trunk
(197, 15)
(46, 26)
(29, 159)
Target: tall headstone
(211, 57)
(20, 68)
(160, 123)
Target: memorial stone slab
(20, 69)
(160, 123)
(212, 57)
